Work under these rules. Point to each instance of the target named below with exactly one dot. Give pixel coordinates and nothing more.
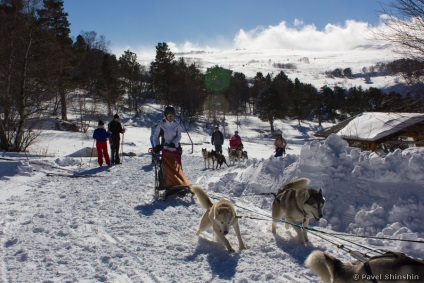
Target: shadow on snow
(296, 250)
(149, 209)
(223, 264)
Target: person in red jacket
(235, 141)
(101, 137)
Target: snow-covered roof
(372, 126)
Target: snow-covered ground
(109, 228)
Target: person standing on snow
(217, 140)
(101, 136)
(169, 131)
(280, 145)
(116, 129)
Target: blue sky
(140, 24)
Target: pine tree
(270, 104)
(131, 72)
(110, 88)
(238, 92)
(188, 89)
(162, 71)
(58, 48)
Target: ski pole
(122, 147)
(185, 128)
(91, 155)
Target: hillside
(309, 66)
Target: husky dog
(220, 215)
(208, 156)
(243, 155)
(389, 267)
(298, 203)
(220, 159)
(233, 156)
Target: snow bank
(85, 152)
(366, 194)
(339, 160)
(14, 168)
(67, 161)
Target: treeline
(42, 67)
(404, 66)
(45, 72)
(220, 91)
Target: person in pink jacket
(280, 145)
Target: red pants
(101, 147)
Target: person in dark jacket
(101, 137)
(116, 129)
(217, 140)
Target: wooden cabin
(380, 130)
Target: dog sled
(237, 154)
(169, 176)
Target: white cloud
(300, 36)
(141, 51)
(297, 22)
(306, 37)
(187, 47)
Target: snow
(372, 126)
(109, 228)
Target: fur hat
(101, 123)
(116, 116)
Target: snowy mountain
(307, 66)
(106, 226)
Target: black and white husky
(237, 155)
(220, 159)
(233, 156)
(243, 155)
(208, 156)
(297, 202)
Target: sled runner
(169, 176)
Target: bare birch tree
(404, 27)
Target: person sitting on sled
(169, 131)
(235, 141)
(169, 175)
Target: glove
(171, 145)
(123, 131)
(158, 148)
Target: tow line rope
(311, 230)
(357, 255)
(339, 234)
